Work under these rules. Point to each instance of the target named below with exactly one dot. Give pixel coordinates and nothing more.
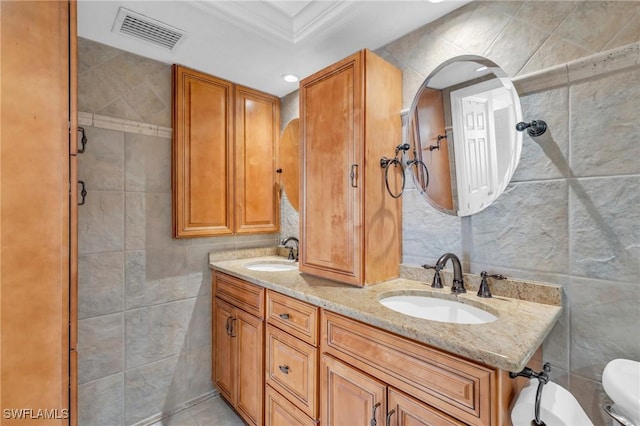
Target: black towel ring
(411, 163)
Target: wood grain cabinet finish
(297, 318)
(38, 214)
(280, 412)
(349, 396)
(292, 355)
(462, 389)
(224, 157)
(350, 118)
(238, 351)
(257, 199)
(292, 369)
(404, 410)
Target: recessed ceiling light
(291, 78)
(436, 1)
(482, 68)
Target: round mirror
(462, 132)
(290, 161)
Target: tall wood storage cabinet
(225, 140)
(38, 213)
(350, 118)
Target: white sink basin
(273, 266)
(436, 309)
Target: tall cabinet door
(202, 154)
(348, 396)
(331, 131)
(34, 207)
(257, 199)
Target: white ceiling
(255, 42)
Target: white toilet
(558, 407)
(621, 382)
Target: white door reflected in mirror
(461, 129)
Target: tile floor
(212, 412)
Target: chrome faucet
(458, 281)
(297, 248)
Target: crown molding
(272, 22)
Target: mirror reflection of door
(428, 123)
(290, 162)
(476, 151)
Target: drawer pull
(391, 413)
(284, 316)
(284, 368)
(374, 422)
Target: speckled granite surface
(507, 343)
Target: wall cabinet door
(350, 118)
(348, 396)
(223, 175)
(202, 154)
(257, 199)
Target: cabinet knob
(284, 316)
(284, 368)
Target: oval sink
(273, 266)
(436, 309)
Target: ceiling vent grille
(147, 29)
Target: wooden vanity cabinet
(349, 396)
(444, 389)
(224, 157)
(238, 345)
(350, 118)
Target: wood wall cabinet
(38, 229)
(238, 345)
(224, 157)
(350, 118)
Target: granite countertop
(507, 343)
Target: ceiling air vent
(144, 28)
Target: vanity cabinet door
(238, 345)
(223, 350)
(248, 331)
(348, 396)
(349, 116)
(407, 411)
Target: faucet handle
(437, 280)
(483, 291)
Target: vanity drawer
(280, 412)
(292, 369)
(456, 386)
(244, 295)
(297, 318)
